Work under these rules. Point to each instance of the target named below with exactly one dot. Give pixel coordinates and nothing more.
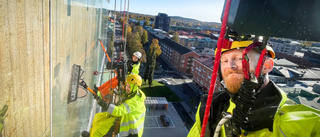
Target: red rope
(216, 66)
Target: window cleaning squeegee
(74, 83)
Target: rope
(221, 122)
(216, 67)
(114, 35)
(86, 52)
(125, 42)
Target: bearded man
(257, 106)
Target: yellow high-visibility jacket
(132, 113)
(286, 119)
(133, 67)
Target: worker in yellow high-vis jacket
(131, 111)
(134, 64)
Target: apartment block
(202, 68)
(162, 22)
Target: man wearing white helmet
(134, 64)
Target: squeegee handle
(94, 93)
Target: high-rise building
(162, 22)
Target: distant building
(180, 57)
(202, 71)
(162, 22)
(177, 55)
(312, 56)
(303, 92)
(281, 74)
(207, 51)
(207, 42)
(198, 42)
(285, 46)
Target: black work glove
(83, 84)
(95, 90)
(244, 103)
(102, 103)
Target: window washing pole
(216, 66)
(107, 54)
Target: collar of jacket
(263, 111)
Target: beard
(233, 80)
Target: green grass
(159, 90)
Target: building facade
(202, 71)
(284, 46)
(162, 22)
(178, 56)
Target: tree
(306, 43)
(130, 36)
(137, 36)
(144, 55)
(146, 23)
(139, 30)
(150, 66)
(134, 42)
(155, 44)
(129, 29)
(144, 37)
(138, 23)
(208, 32)
(175, 37)
(121, 21)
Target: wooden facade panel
(24, 67)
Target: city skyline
(202, 10)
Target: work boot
(85, 134)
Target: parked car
(164, 81)
(164, 119)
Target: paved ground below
(153, 126)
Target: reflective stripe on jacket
(132, 113)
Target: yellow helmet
(134, 79)
(243, 44)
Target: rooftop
(156, 100)
(287, 72)
(175, 46)
(207, 61)
(284, 62)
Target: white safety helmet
(137, 54)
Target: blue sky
(203, 10)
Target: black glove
(95, 90)
(102, 103)
(83, 84)
(244, 103)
